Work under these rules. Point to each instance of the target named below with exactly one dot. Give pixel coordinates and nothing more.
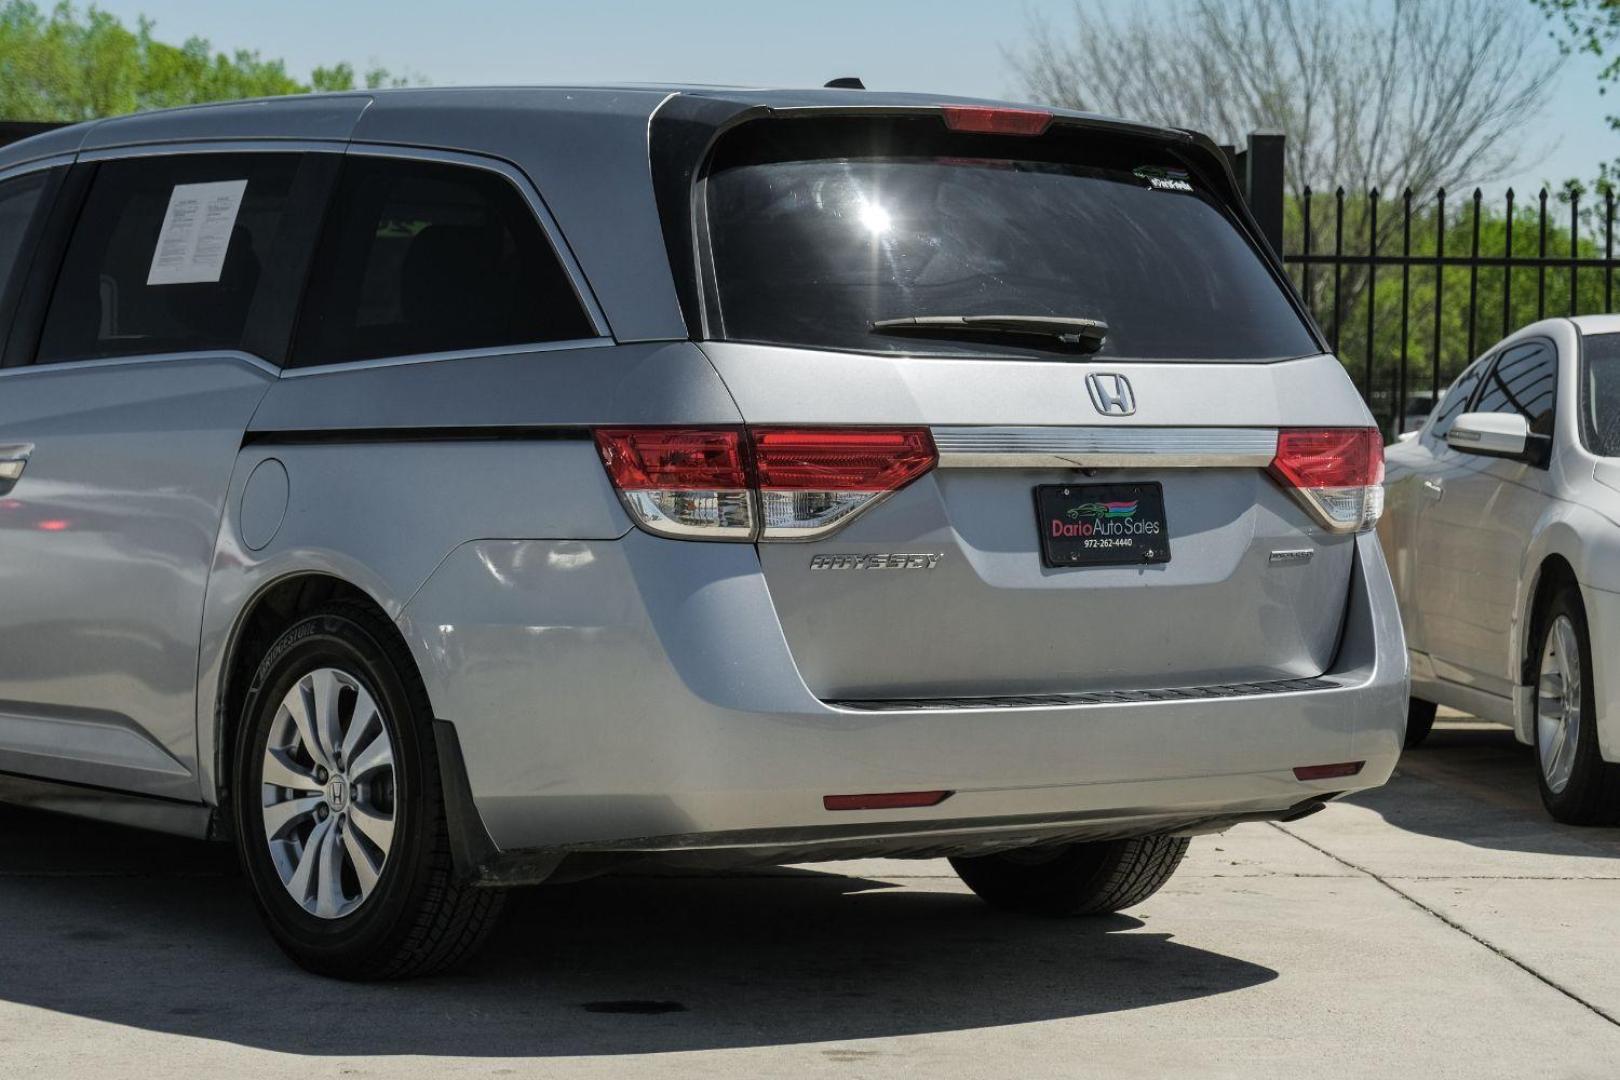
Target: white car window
(1601, 429)
(1455, 403)
(1524, 381)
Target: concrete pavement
(1440, 927)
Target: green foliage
(1472, 310)
(1588, 26)
(1592, 27)
(68, 64)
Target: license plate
(1102, 524)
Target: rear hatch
(1100, 518)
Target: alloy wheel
(1558, 704)
(328, 793)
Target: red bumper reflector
(889, 800)
(1327, 772)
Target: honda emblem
(1111, 394)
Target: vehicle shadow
(1474, 783)
(160, 934)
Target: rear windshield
(1600, 354)
(819, 228)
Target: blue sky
(949, 46)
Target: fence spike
(1372, 286)
(1608, 249)
(1507, 268)
(1439, 291)
(1541, 267)
(1574, 247)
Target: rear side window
(169, 255)
(425, 257)
(1524, 381)
(18, 200)
(1455, 403)
(1600, 358)
(819, 228)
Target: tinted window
(1600, 354)
(819, 228)
(18, 200)
(1525, 381)
(1455, 403)
(168, 255)
(422, 257)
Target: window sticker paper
(196, 233)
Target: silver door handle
(1434, 488)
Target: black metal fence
(1408, 290)
(1525, 246)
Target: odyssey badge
(900, 561)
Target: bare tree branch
(1391, 95)
(1414, 93)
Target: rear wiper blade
(1084, 335)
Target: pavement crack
(1389, 884)
(1502, 877)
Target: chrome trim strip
(460, 354)
(155, 358)
(214, 146)
(537, 205)
(1104, 447)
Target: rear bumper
(637, 695)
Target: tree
(1589, 26)
(70, 65)
(1592, 26)
(1376, 98)
(1408, 93)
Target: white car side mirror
(1492, 433)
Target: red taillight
(984, 120)
(685, 482)
(888, 800)
(820, 460)
(1338, 473)
(674, 459)
(770, 484)
(1328, 772)
(1330, 457)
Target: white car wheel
(1558, 704)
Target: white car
(1502, 532)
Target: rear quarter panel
(390, 468)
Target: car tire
(1419, 721)
(1094, 878)
(1577, 786)
(350, 866)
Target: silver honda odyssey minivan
(436, 491)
